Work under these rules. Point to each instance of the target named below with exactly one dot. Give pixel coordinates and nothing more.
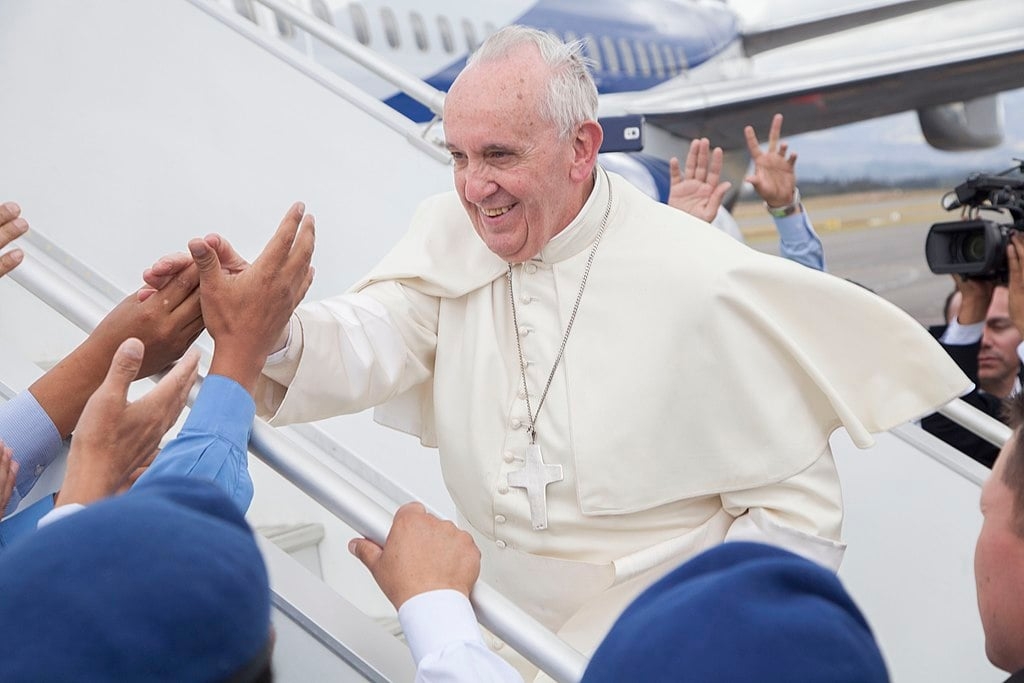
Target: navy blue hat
(741, 612)
(163, 583)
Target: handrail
(494, 611)
(982, 424)
(372, 106)
(415, 87)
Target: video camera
(975, 247)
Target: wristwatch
(788, 209)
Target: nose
(477, 182)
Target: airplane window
(446, 34)
(641, 58)
(321, 12)
(419, 31)
(245, 8)
(390, 26)
(471, 41)
(591, 50)
(626, 52)
(684, 63)
(659, 66)
(360, 25)
(670, 60)
(611, 58)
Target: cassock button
(523, 331)
(509, 456)
(496, 644)
(530, 268)
(527, 299)
(500, 519)
(503, 489)
(516, 423)
(501, 544)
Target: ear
(585, 147)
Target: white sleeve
(446, 643)
(961, 335)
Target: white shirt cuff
(59, 513)
(959, 335)
(436, 619)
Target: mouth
(496, 212)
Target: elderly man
(613, 385)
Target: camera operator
(985, 339)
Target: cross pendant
(535, 477)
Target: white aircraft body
(707, 68)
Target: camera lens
(972, 249)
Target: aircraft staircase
(131, 126)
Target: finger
(12, 230)
(753, 146)
(691, 159)
(208, 263)
(181, 287)
(9, 211)
(715, 169)
(675, 174)
(165, 268)
(791, 160)
(229, 258)
(301, 254)
(10, 260)
(718, 196)
(702, 159)
(366, 551)
(124, 368)
(782, 150)
(775, 132)
(281, 243)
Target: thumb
(366, 551)
(206, 259)
(124, 367)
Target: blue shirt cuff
(33, 438)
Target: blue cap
(741, 612)
(163, 583)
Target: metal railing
(83, 297)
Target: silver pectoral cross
(535, 477)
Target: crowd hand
(246, 308)
(422, 553)
(1015, 264)
(116, 436)
(976, 297)
(697, 189)
(8, 475)
(12, 226)
(774, 176)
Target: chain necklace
(568, 328)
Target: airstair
(130, 126)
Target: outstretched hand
(697, 190)
(422, 553)
(12, 226)
(774, 176)
(114, 435)
(245, 308)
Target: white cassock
(694, 401)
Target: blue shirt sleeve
(798, 241)
(213, 443)
(33, 438)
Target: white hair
(572, 95)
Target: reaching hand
(697, 191)
(168, 267)
(12, 226)
(246, 308)
(8, 475)
(976, 296)
(422, 553)
(115, 436)
(774, 176)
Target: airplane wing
(841, 79)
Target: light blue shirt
(798, 241)
(33, 438)
(212, 445)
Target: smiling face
(520, 181)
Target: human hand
(422, 553)
(975, 297)
(8, 475)
(774, 176)
(245, 311)
(12, 226)
(115, 436)
(697, 190)
(1015, 263)
(167, 267)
